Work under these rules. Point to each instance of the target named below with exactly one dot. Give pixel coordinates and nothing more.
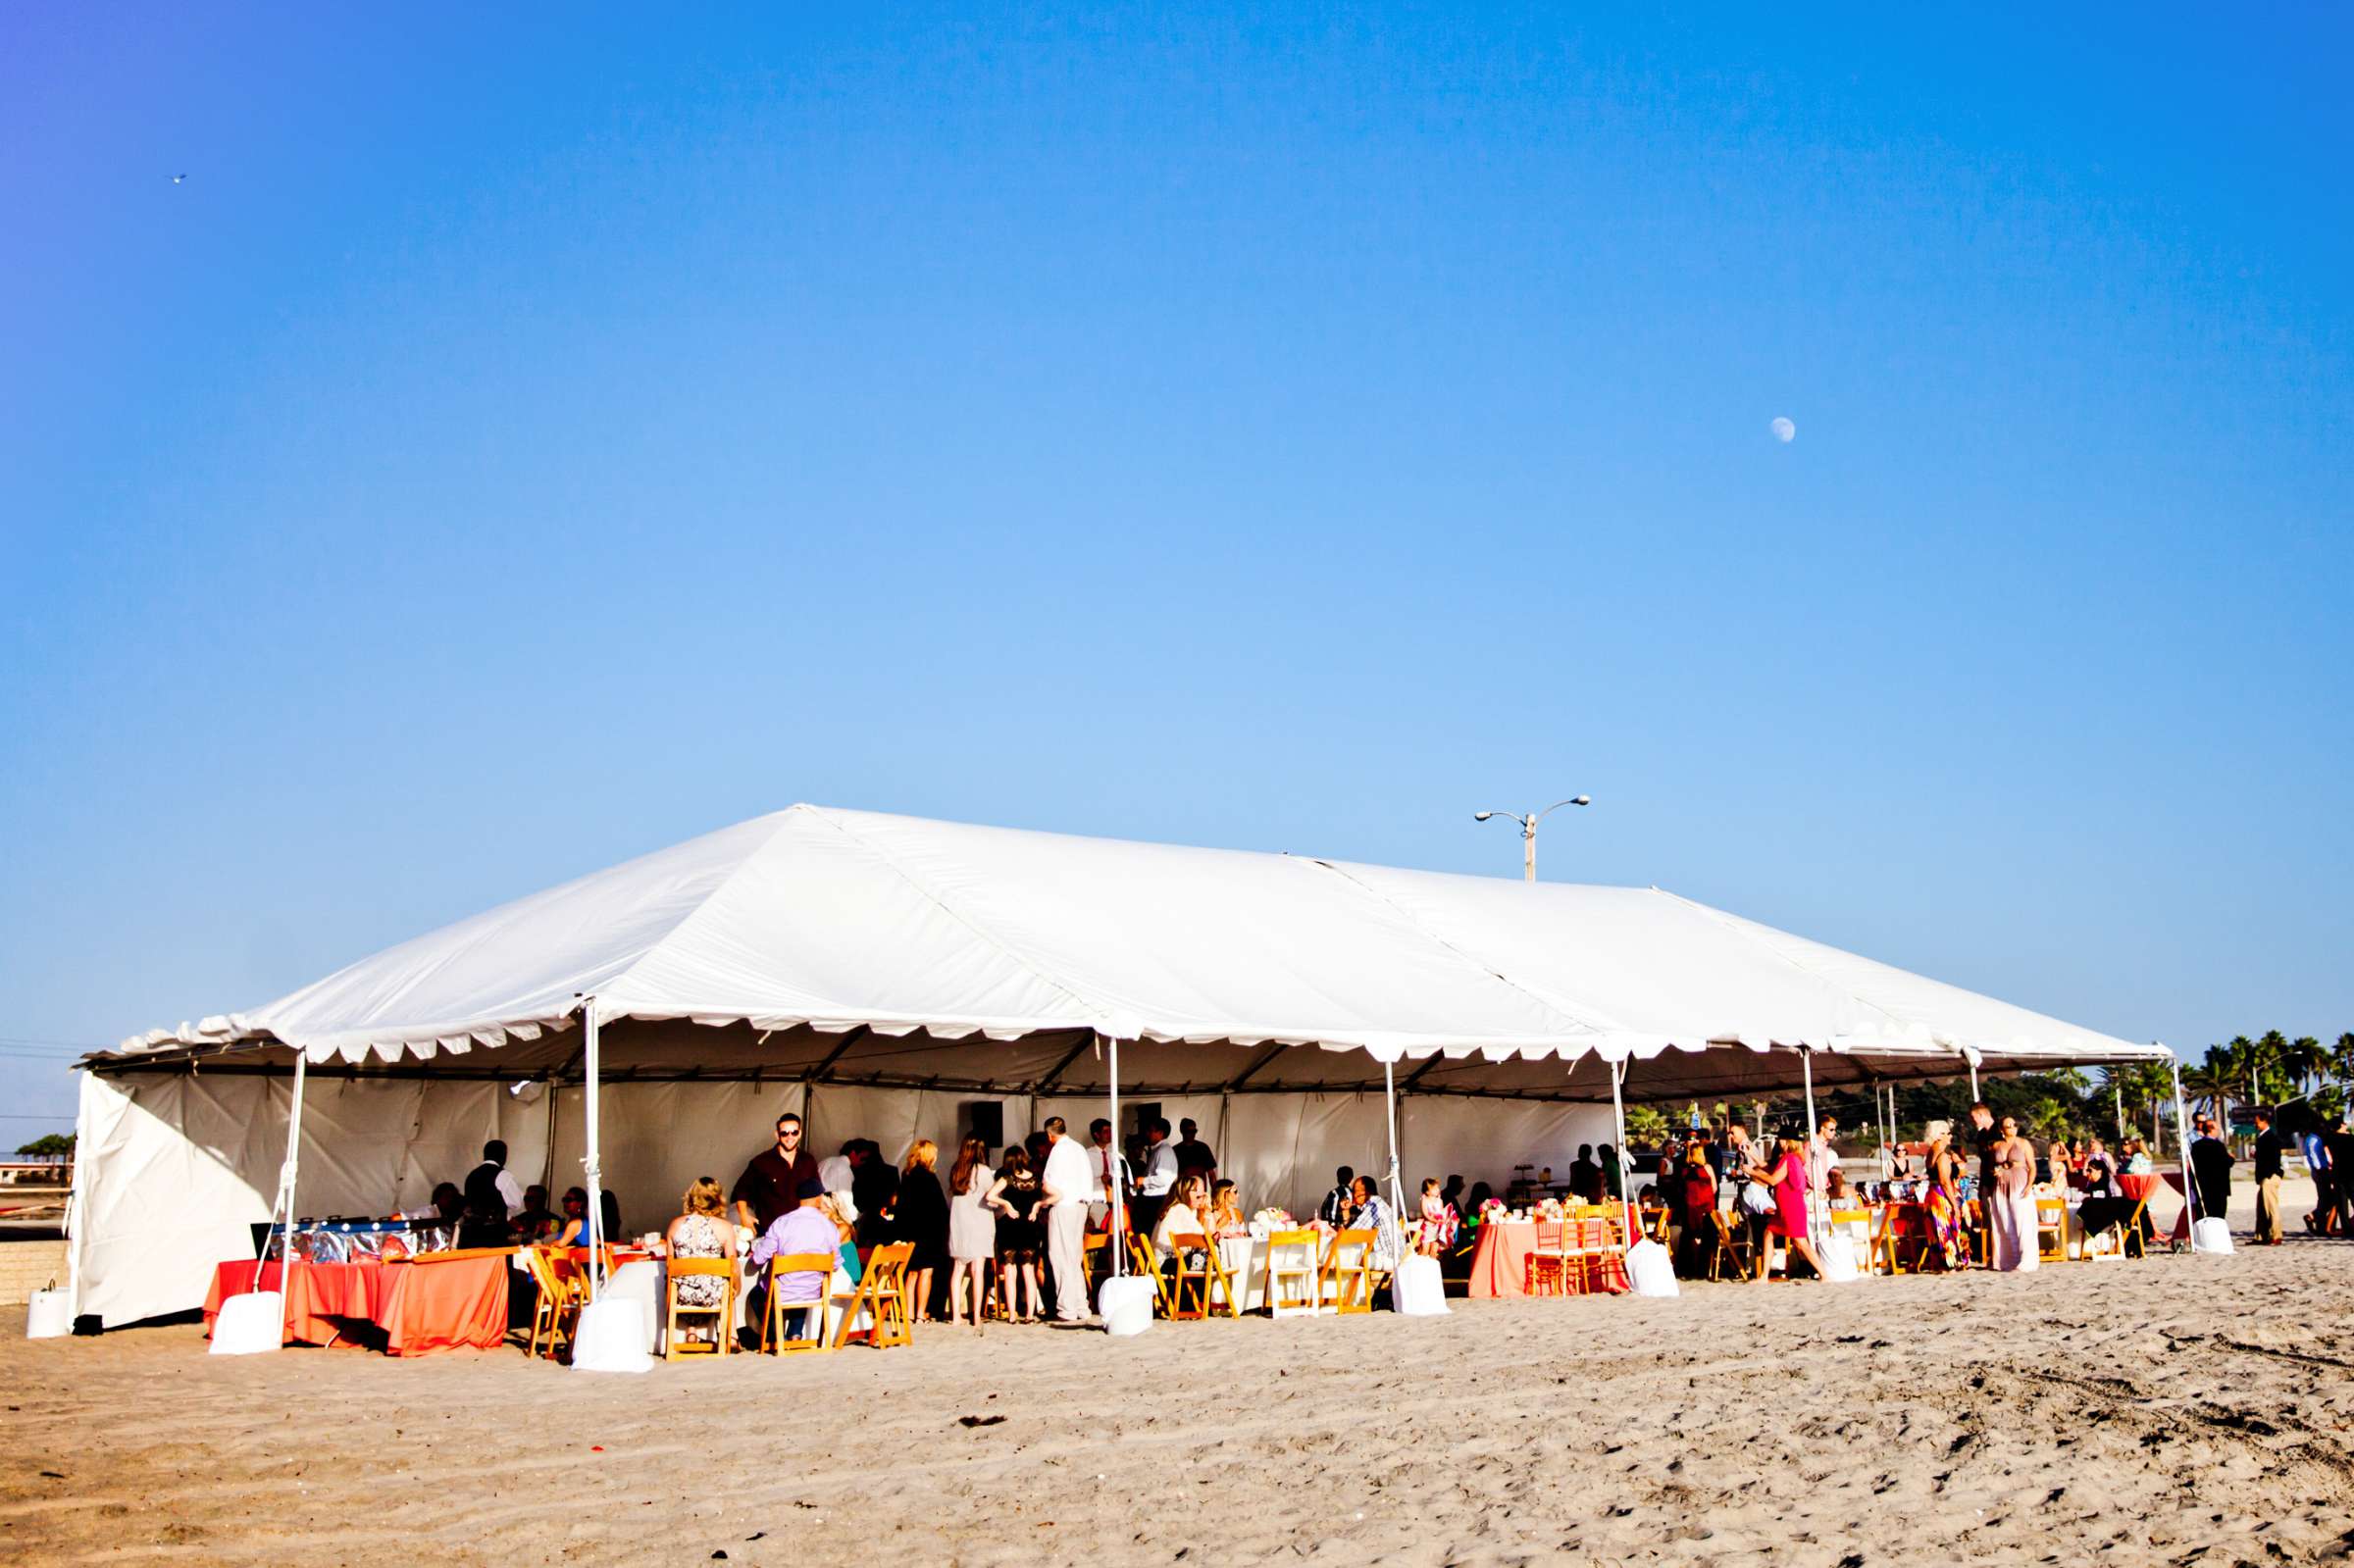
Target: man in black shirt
(2268, 1146)
(874, 1189)
(485, 1222)
(1585, 1176)
(770, 1184)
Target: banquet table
(1500, 1264)
(2146, 1185)
(437, 1301)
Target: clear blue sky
(529, 438)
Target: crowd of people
(1007, 1238)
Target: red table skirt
(1499, 1263)
(441, 1302)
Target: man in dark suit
(2211, 1173)
(2269, 1147)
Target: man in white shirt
(1066, 1183)
(1100, 1185)
(1161, 1174)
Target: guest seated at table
(1371, 1212)
(809, 1228)
(2099, 1170)
(536, 1222)
(1015, 1195)
(1452, 1194)
(2136, 1157)
(1226, 1211)
(573, 1228)
(1438, 1223)
(1186, 1214)
(1834, 1185)
(702, 1231)
(1335, 1207)
(1476, 1201)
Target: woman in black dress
(1014, 1197)
(921, 1215)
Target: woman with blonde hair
(1226, 1211)
(702, 1231)
(1949, 1219)
(972, 1231)
(920, 1215)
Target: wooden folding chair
(1853, 1221)
(1592, 1241)
(1887, 1251)
(1189, 1282)
(1728, 1247)
(1223, 1290)
(1548, 1268)
(1145, 1261)
(558, 1282)
(723, 1315)
(881, 1295)
(772, 1322)
(1293, 1273)
(2050, 1219)
(1348, 1286)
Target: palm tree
(2303, 1061)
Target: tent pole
(1974, 1077)
(1389, 1089)
(590, 1162)
(1806, 1069)
(2182, 1143)
(286, 1197)
(1115, 1224)
(1626, 1213)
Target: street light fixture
(1528, 828)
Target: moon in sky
(1783, 431)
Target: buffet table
(436, 1301)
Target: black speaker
(985, 1121)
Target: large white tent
(884, 974)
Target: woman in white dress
(972, 1232)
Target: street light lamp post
(1528, 828)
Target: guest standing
(1585, 1176)
(1065, 1183)
(920, 1217)
(1015, 1196)
(874, 1183)
(2211, 1172)
(1160, 1179)
(1697, 1243)
(1949, 1215)
(2010, 1199)
(972, 1231)
(773, 1177)
(2269, 1149)
(1194, 1157)
(2314, 1140)
(1786, 1178)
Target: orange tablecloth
(439, 1303)
(2146, 1185)
(1499, 1263)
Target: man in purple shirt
(804, 1228)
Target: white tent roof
(840, 918)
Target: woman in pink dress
(1787, 1178)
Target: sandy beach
(2175, 1410)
